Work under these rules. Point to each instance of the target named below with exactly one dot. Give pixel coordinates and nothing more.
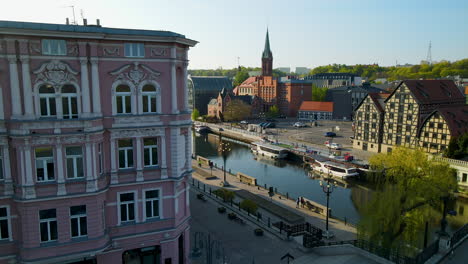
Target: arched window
(47, 101)
(123, 98)
(69, 102)
(149, 99)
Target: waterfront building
(418, 113)
(287, 92)
(368, 122)
(217, 106)
(203, 88)
(347, 98)
(313, 110)
(94, 144)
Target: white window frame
(78, 218)
(47, 97)
(45, 161)
(75, 158)
(48, 221)
(134, 50)
(123, 95)
(159, 200)
(126, 155)
(135, 207)
(150, 149)
(47, 47)
(8, 218)
(147, 96)
(69, 97)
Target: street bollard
(198, 183)
(210, 190)
(204, 187)
(287, 195)
(193, 181)
(230, 171)
(258, 188)
(345, 222)
(265, 186)
(269, 224)
(276, 190)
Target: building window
(100, 160)
(374, 125)
(434, 135)
(410, 107)
(69, 102)
(125, 153)
(4, 223)
(464, 177)
(1, 166)
(78, 221)
(431, 125)
(48, 225)
(151, 204)
(433, 146)
(444, 137)
(425, 144)
(366, 116)
(74, 162)
(45, 164)
(367, 107)
(374, 116)
(149, 99)
(47, 101)
(440, 126)
(426, 134)
(150, 151)
(127, 207)
(373, 135)
(134, 50)
(408, 128)
(409, 117)
(407, 139)
(390, 126)
(392, 105)
(54, 47)
(123, 97)
(391, 115)
(398, 140)
(399, 128)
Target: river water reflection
(290, 177)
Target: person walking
(297, 202)
(302, 202)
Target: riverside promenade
(341, 230)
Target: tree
(195, 114)
(225, 194)
(236, 110)
(273, 112)
(410, 187)
(249, 206)
(240, 77)
(318, 94)
(458, 147)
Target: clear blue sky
(304, 33)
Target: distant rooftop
(85, 29)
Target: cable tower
(429, 54)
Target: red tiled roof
(316, 106)
(466, 90)
(434, 91)
(249, 81)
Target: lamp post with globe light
(328, 188)
(224, 148)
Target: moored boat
(269, 150)
(338, 170)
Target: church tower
(267, 58)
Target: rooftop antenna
(74, 18)
(429, 54)
(82, 13)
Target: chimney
(85, 22)
(98, 22)
(67, 21)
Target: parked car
(221, 129)
(329, 134)
(244, 122)
(299, 124)
(333, 145)
(269, 125)
(262, 124)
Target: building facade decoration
(92, 175)
(55, 73)
(111, 51)
(157, 52)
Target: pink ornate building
(94, 145)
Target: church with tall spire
(267, 58)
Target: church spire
(267, 58)
(267, 51)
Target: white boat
(338, 170)
(272, 151)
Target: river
(291, 177)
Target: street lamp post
(327, 189)
(224, 148)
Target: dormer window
(134, 50)
(54, 47)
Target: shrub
(221, 210)
(224, 194)
(232, 216)
(258, 232)
(249, 206)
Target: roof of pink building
(316, 106)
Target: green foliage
(249, 206)
(195, 114)
(225, 194)
(423, 70)
(458, 147)
(240, 77)
(273, 112)
(318, 94)
(231, 73)
(409, 188)
(236, 110)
